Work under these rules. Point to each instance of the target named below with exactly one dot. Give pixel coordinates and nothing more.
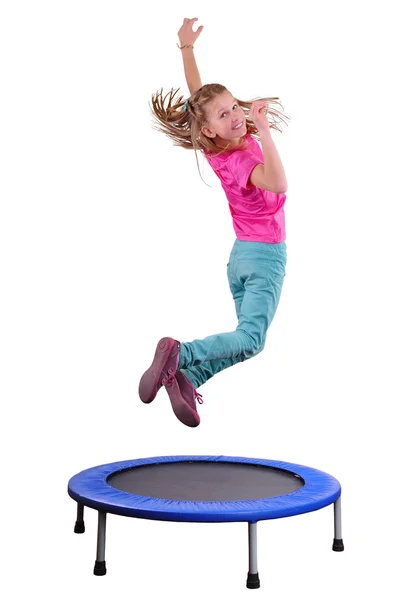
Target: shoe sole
(150, 382)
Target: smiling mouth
(238, 126)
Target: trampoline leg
(338, 545)
(253, 580)
(100, 564)
(79, 526)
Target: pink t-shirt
(258, 215)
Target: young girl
(222, 128)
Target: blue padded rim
(90, 488)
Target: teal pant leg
(200, 374)
(255, 272)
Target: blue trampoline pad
(204, 488)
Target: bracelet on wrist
(185, 46)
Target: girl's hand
(186, 35)
(257, 114)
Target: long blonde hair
(181, 120)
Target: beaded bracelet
(185, 46)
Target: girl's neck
(223, 146)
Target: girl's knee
(254, 344)
(260, 349)
(256, 347)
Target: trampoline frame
(76, 492)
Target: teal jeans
(255, 272)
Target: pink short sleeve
(241, 164)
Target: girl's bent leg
(236, 344)
(200, 374)
(261, 297)
(256, 274)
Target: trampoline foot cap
(338, 545)
(253, 581)
(79, 527)
(100, 567)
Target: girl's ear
(207, 132)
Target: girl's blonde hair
(183, 127)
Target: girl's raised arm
(187, 38)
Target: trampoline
(204, 489)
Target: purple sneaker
(183, 397)
(188, 391)
(166, 357)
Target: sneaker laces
(198, 397)
(169, 378)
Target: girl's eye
(235, 105)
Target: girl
(222, 127)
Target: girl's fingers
(257, 107)
(200, 29)
(187, 26)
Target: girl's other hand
(258, 115)
(186, 35)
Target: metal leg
(100, 564)
(79, 526)
(253, 580)
(338, 545)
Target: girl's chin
(239, 131)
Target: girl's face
(226, 120)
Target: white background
(110, 240)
